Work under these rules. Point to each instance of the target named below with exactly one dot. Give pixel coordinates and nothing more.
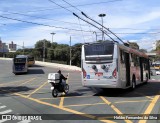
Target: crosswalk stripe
(2, 106)
(6, 111)
(1, 121)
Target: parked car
(153, 71)
(157, 72)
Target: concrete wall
(55, 65)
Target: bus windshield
(99, 51)
(19, 60)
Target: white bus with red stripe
(113, 65)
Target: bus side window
(137, 61)
(122, 56)
(131, 59)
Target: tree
(133, 45)
(143, 50)
(40, 47)
(76, 54)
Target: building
(3, 47)
(12, 47)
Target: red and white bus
(113, 65)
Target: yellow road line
(61, 102)
(36, 93)
(8, 83)
(37, 89)
(63, 108)
(48, 98)
(65, 97)
(131, 101)
(27, 81)
(150, 107)
(84, 104)
(114, 108)
(143, 95)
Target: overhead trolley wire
(60, 6)
(40, 24)
(82, 19)
(95, 22)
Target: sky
(29, 21)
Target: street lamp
(102, 15)
(95, 34)
(52, 35)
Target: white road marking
(1, 121)
(2, 106)
(6, 111)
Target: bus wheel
(146, 79)
(133, 84)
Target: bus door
(141, 68)
(127, 64)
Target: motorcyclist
(62, 79)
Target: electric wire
(39, 17)
(60, 6)
(111, 1)
(83, 19)
(95, 21)
(41, 24)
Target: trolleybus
(113, 65)
(20, 64)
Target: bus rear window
(99, 51)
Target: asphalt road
(30, 94)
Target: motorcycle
(57, 87)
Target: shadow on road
(35, 65)
(149, 89)
(10, 90)
(35, 71)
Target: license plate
(99, 74)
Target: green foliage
(57, 53)
(133, 45)
(76, 54)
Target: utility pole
(70, 52)
(3, 49)
(23, 47)
(44, 51)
